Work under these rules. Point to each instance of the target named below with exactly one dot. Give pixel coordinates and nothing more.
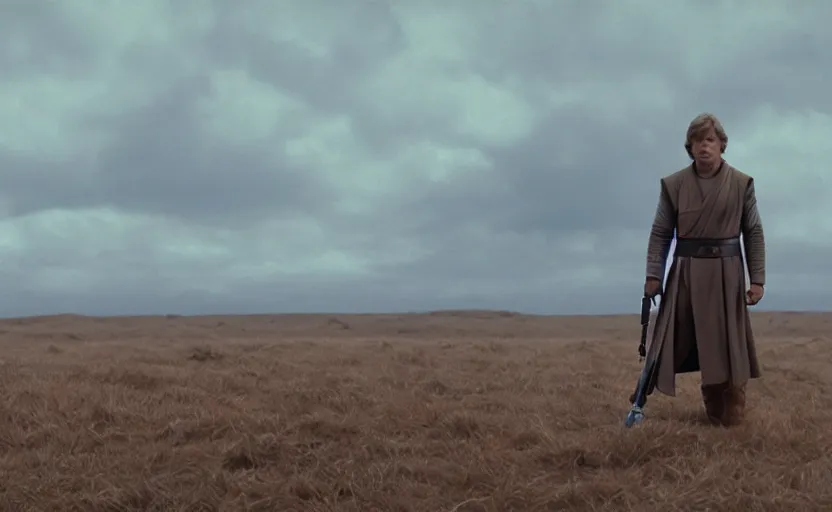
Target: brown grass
(462, 411)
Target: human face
(707, 150)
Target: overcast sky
(373, 156)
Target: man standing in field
(703, 322)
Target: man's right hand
(652, 287)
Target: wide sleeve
(754, 241)
(661, 235)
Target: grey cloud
(809, 259)
(160, 164)
(500, 238)
(34, 183)
(34, 39)
(603, 188)
(573, 173)
(377, 295)
(367, 35)
(784, 73)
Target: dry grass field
(450, 411)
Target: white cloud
(463, 103)
(241, 110)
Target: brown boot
(713, 396)
(734, 412)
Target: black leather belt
(708, 248)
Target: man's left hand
(754, 294)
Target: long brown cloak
(703, 322)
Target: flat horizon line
(504, 313)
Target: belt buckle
(707, 251)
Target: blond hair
(700, 126)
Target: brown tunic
(703, 323)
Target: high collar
(714, 175)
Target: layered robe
(703, 322)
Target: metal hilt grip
(645, 310)
(645, 319)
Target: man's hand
(652, 287)
(754, 294)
